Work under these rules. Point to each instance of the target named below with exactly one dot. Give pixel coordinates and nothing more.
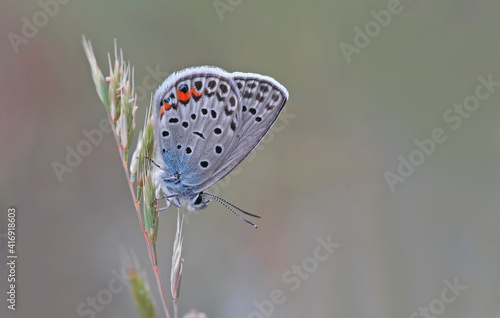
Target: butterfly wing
(262, 100)
(195, 116)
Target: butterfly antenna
(234, 206)
(216, 198)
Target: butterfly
(205, 122)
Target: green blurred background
(321, 174)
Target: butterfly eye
(183, 88)
(198, 199)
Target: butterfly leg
(163, 197)
(153, 162)
(157, 165)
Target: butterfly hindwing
(196, 115)
(262, 100)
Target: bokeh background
(321, 175)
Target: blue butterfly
(206, 121)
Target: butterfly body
(206, 121)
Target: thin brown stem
(152, 255)
(160, 288)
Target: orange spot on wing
(195, 92)
(166, 106)
(162, 111)
(183, 97)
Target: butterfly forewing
(196, 115)
(262, 100)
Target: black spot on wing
(199, 134)
(264, 88)
(232, 101)
(228, 112)
(184, 102)
(223, 88)
(198, 85)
